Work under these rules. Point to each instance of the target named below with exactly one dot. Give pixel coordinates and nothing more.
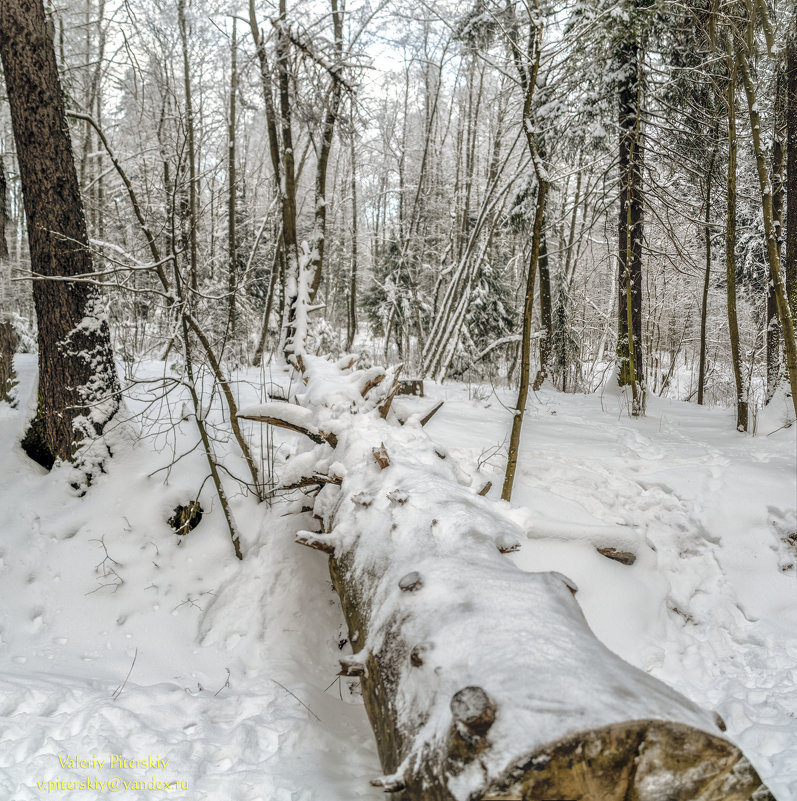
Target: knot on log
(412, 582)
(353, 666)
(418, 653)
(473, 710)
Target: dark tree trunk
(701, 377)
(287, 189)
(232, 212)
(8, 346)
(327, 133)
(630, 221)
(778, 196)
(791, 169)
(730, 253)
(351, 313)
(3, 211)
(546, 312)
(78, 388)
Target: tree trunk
(778, 197)
(629, 308)
(3, 210)
(8, 346)
(191, 149)
(351, 306)
(232, 213)
(730, 252)
(525, 343)
(78, 387)
(701, 373)
(316, 263)
(546, 312)
(287, 190)
(481, 680)
(773, 251)
(791, 169)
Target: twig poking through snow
(298, 699)
(118, 691)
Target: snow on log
(481, 680)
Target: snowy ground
(232, 667)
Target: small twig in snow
(118, 691)
(299, 700)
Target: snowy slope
(93, 587)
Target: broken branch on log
(316, 541)
(311, 481)
(288, 416)
(429, 415)
(381, 457)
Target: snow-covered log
(481, 680)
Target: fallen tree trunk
(483, 681)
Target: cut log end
(637, 759)
(473, 710)
(412, 582)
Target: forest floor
(131, 656)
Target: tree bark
(327, 133)
(629, 307)
(525, 347)
(730, 250)
(78, 386)
(701, 373)
(8, 346)
(191, 149)
(791, 169)
(3, 210)
(546, 312)
(232, 211)
(778, 197)
(287, 189)
(351, 306)
(773, 251)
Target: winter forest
(398, 396)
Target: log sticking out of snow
(483, 681)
